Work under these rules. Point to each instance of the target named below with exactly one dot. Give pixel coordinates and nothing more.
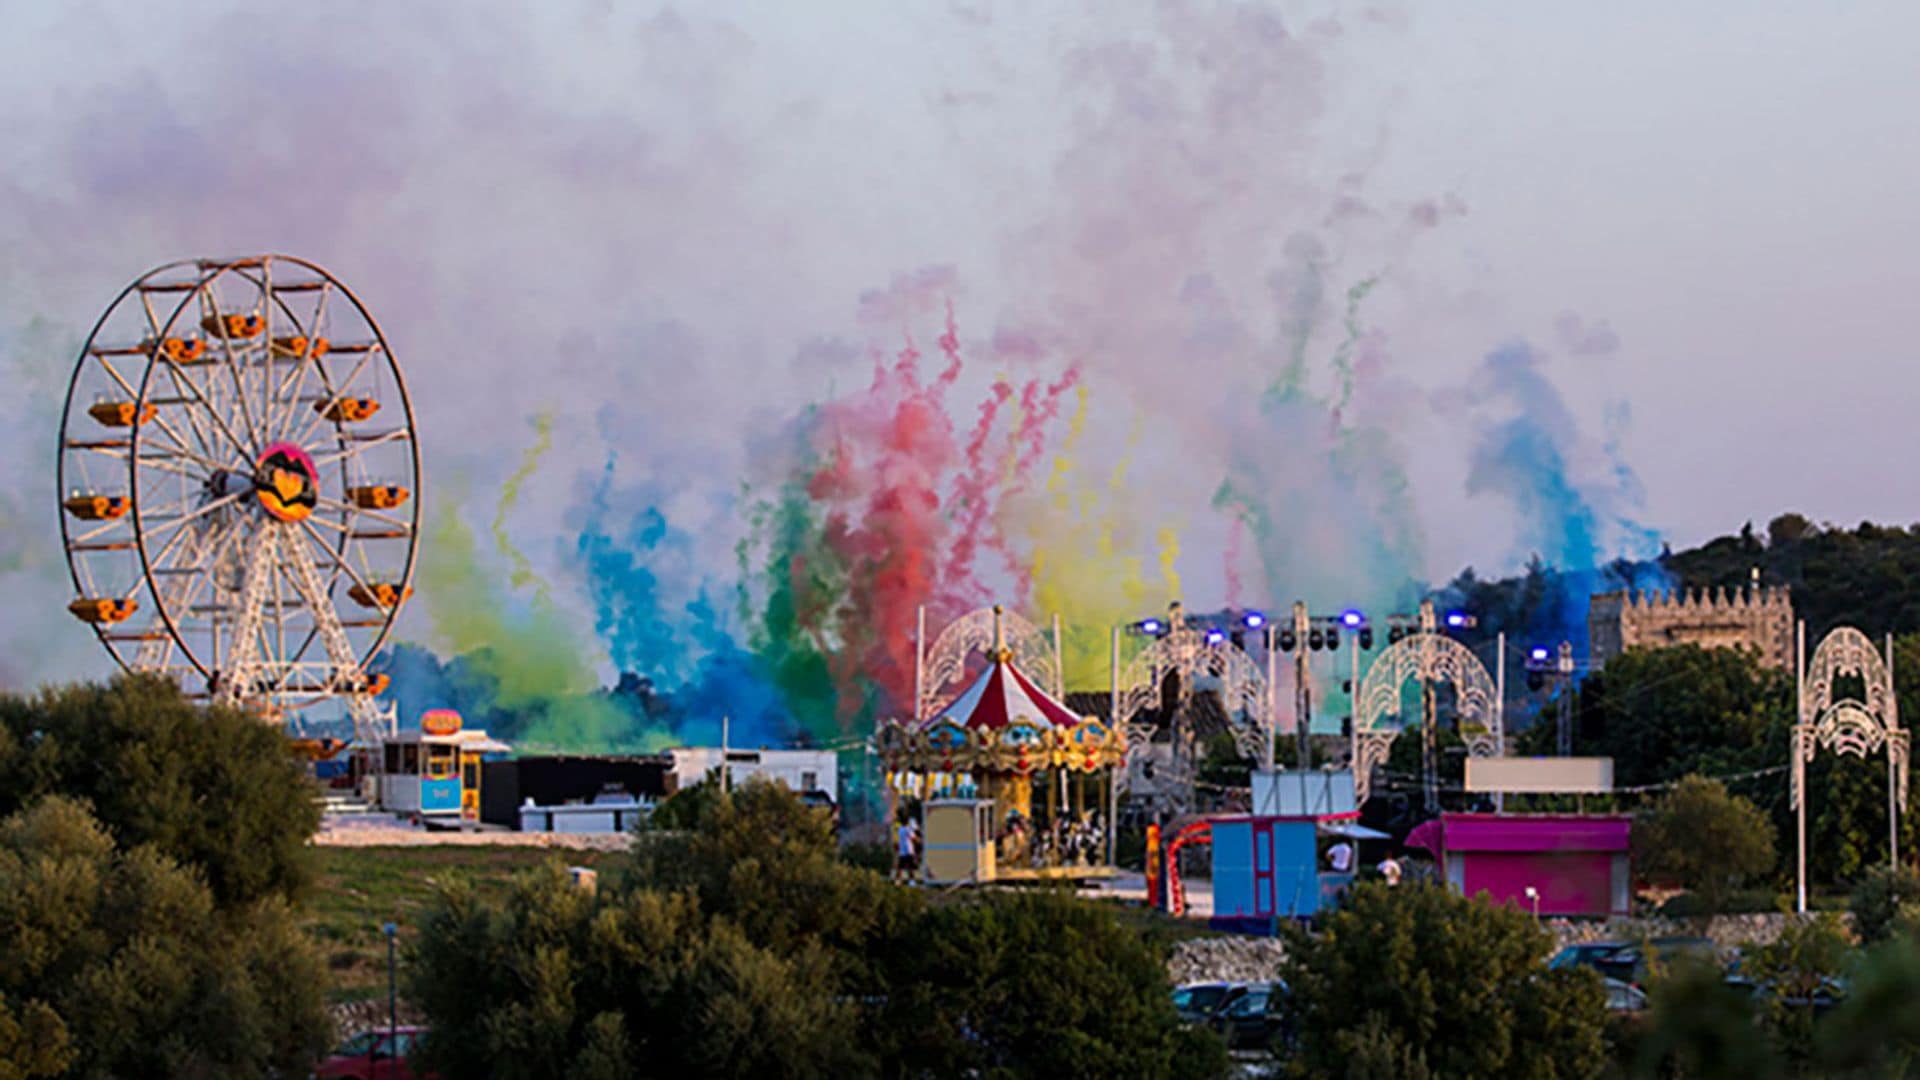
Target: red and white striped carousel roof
(1001, 695)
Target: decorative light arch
(1187, 651)
(1846, 726)
(1427, 657)
(943, 669)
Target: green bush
(1739, 902)
(120, 963)
(1885, 896)
(212, 788)
(1416, 978)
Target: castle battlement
(1759, 618)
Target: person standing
(906, 859)
(1390, 870)
(1340, 857)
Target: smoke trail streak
(523, 574)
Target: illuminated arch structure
(1196, 655)
(1427, 658)
(1847, 726)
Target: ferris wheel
(240, 487)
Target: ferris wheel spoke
(337, 558)
(353, 511)
(193, 515)
(133, 395)
(235, 366)
(306, 363)
(338, 388)
(169, 458)
(213, 413)
(200, 434)
(355, 449)
(182, 588)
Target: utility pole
(1566, 699)
(1429, 712)
(1302, 691)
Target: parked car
(1625, 997)
(1585, 954)
(374, 1055)
(1825, 997)
(1199, 1002)
(1633, 963)
(1253, 1018)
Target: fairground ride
(239, 488)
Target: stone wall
(1729, 932)
(1226, 959)
(1759, 619)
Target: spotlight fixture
(1254, 620)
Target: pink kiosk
(1547, 864)
(1575, 864)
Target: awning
(1351, 831)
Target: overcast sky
(658, 226)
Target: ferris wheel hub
(286, 482)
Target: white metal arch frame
(1185, 650)
(1426, 658)
(1846, 726)
(944, 667)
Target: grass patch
(356, 889)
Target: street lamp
(392, 930)
(1533, 894)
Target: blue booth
(1267, 868)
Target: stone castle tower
(1759, 619)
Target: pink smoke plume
(906, 502)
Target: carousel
(1011, 783)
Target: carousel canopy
(1002, 724)
(1001, 695)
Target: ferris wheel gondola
(240, 486)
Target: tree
(740, 944)
(1796, 968)
(1039, 983)
(1703, 839)
(212, 788)
(120, 963)
(1698, 1024)
(1457, 986)
(1876, 1030)
(1663, 713)
(1886, 899)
